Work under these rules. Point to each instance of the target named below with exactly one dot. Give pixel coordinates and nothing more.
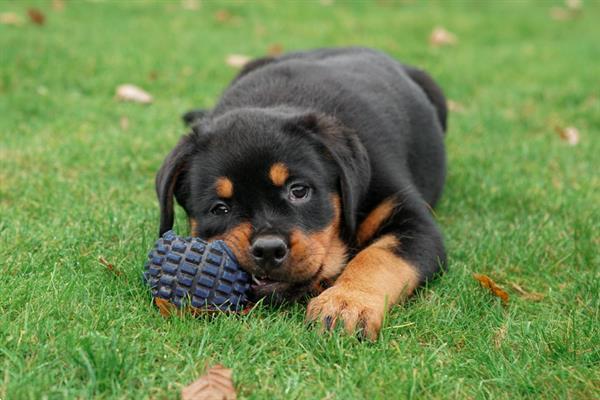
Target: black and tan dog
(319, 170)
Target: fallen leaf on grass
(275, 49)
(441, 37)
(58, 5)
(573, 4)
(222, 16)
(215, 384)
(128, 92)
(164, 307)
(571, 10)
(190, 5)
(124, 123)
(36, 16)
(455, 106)
(499, 336)
(11, 18)
(109, 266)
(533, 296)
(487, 282)
(569, 134)
(559, 14)
(237, 60)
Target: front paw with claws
(358, 311)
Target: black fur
(348, 121)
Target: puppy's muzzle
(269, 251)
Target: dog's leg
(405, 250)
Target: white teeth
(255, 279)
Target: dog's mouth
(270, 290)
(276, 291)
(264, 283)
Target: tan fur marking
(323, 249)
(194, 227)
(371, 283)
(224, 187)
(336, 251)
(279, 173)
(238, 240)
(373, 222)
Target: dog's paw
(359, 312)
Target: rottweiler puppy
(319, 169)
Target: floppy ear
(344, 147)
(170, 181)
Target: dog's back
(398, 110)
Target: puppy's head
(280, 189)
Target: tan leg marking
(279, 173)
(373, 222)
(224, 187)
(372, 282)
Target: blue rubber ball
(192, 272)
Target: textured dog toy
(192, 272)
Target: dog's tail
(433, 91)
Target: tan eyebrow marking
(279, 173)
(224, 187)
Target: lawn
(76, 184)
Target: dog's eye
(299, 192)
(220, 209)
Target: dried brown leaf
(128, 92)
(36, 16)
(527, 295)
(190, 5)
(223, 16)
(487, 282)
(11, 18)
(275, 49)
(560, 14)
(455, 106)
(109, 266)
(164, 306)
(124, 123)
(572, 10)
(569, 134)
(499, 336)
(237, 60)
(215, 384)
(441, 37)
(58, 5)
(573, 4)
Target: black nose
(269, 251)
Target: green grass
(520, 204)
